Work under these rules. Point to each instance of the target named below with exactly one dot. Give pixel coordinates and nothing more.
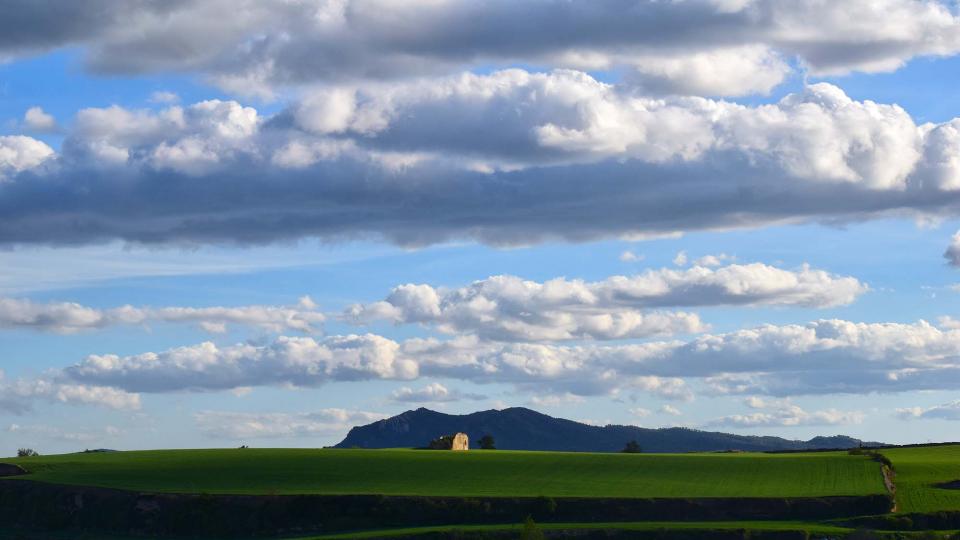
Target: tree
(27, 452)
(632, 447)
(486, 443)
(530, 530)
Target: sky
(264, 222)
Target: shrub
(27, 452)
(632, 447)
(486, 443)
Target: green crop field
(918, 469)
(476, 473)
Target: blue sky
(823, 183)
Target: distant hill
(519, 428)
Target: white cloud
(19, 153)
(953, 251)
(821, 357)
(736, 71)
(948, 323)
(714, 260)
(162, 96)
(18, 396)
(556, 400)
(431, 393)
(946, 411)
(782, 413)
(671, 410)
(69, 317)
(640, 412)
(629, 256)
(292, 361)
(511, 309)
(680, 259)
(241, 425)
(38, 121)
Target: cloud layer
(782, 413)
(507, 308)
(69, 317)
(819, 358)
(710, 47)
(506, 166)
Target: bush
(632, 447)
(27, 452)
(486, 443)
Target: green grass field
(918, 469)
(477, 473)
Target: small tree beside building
(486, 443)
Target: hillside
(519, 428)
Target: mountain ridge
(520, 428)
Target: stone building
(460, 442)
(457, 441)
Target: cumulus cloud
(163, 96)
(818, 358)
(18, 396)
(431, 393)
(508, 308)
(702, 46)
(821, 357)
(69, 317)
(517, 142)
(241, 425)
(946, 411)
(38, 121)
(18, 153)
(783, 413)
(671, 410)
(629, 256)
(288, 361)
(556, 400)
(953, 251)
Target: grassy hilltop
(474, 473)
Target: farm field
(918, 469)
(477, 473)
